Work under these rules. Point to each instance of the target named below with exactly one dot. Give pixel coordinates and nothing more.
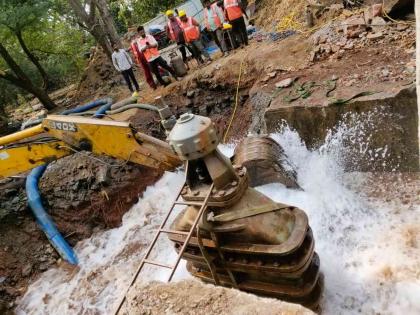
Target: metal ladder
(203, 206)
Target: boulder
(284, 83)
(354, 26)
(395, 129)
(378, 24)
(375, 36)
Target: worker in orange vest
(234, 11)
(192, 36)
(175, 33)
(149, 46)
(214, 19)
(141, 60)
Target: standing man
(149, 47)
(175, 34)
(235, 10)
(214, 19)
(192, 36)
(141, 60)
(123, 63)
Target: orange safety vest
(171, 31)
(233, 9)
(215, 16)
(191, 32)
(150, 52)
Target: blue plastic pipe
(44, 220)
(34, 197)
(35, 203)
(87, 106)
(102, 110)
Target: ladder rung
(150, 262)
(173, 232)
(189, 203)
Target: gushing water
(367, 236)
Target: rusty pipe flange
(266, 162)
(223, 198)
(193, 137)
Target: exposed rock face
(392, 6)
(394, 130)
(193, 297)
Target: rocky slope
(192, 297)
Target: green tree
(16, 76)
(145, 10)
(95, 17)
(20, 15)
(55, 39)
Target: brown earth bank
(83, 194)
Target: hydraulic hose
(120, 109)
(87, 106)
(131, 106)
(130, 100)
(43, 219)
(102, 110)
(31, 123)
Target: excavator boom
(58, 136)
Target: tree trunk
(22, 81)
(92, 24)
(34, 60)
(100, 36)
(109, 23)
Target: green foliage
(20, 14)
(50, 34)
(118, 12)
(145, 10)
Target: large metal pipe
(43, 219)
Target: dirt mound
(272, 12)
(101, 186)
(99, 79)
(193, 297)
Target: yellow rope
(390, 18)
(289, 22)
(236, 100)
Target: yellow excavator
(229, 233)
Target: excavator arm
(58, 136)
